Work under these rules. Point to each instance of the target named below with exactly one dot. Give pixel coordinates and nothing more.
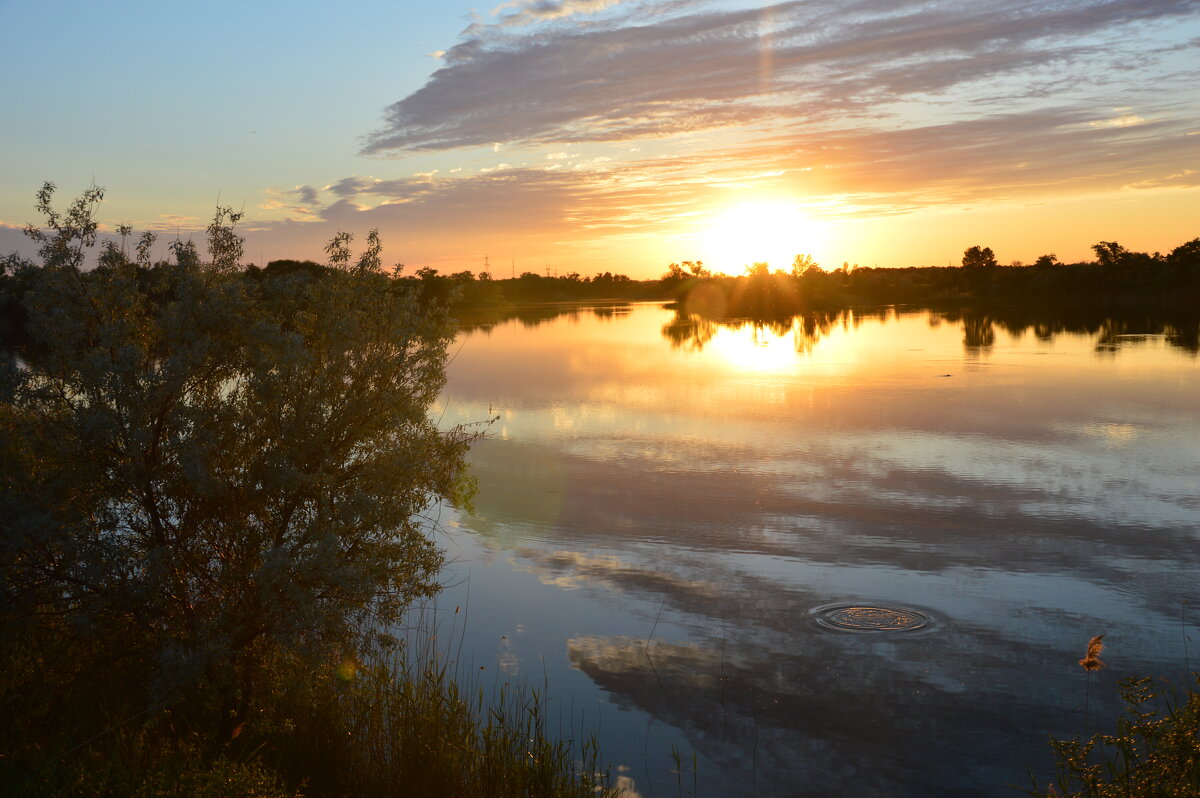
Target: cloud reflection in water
(1037, 496)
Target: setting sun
(748, 233)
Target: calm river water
(674, 517)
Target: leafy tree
(67, 234)
(675, 273)
(805, 264)
(195, 484)
(1187, 253)
(1047, 260)
(338, 250)
(224, 245)
(369, 261)
(1110, 253)
(978, 258)
(144, 245)
(679, 272)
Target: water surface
(671, 511)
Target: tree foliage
(978, 258)
(201, 473)
(804, 264)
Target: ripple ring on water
(869, 618)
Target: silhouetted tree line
(1118, 277)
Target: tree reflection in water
(691, 331)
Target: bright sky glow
(592, 135)
(771, 232)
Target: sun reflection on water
(754, 350)
(776, 349)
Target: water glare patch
(869, 618)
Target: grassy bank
(400, 725)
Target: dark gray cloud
(307, 195)
(648, 69)
(348, 186)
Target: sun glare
(754, 351)
(774, 232)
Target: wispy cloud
(846, 170)
(663, 68)
(856, 107)
(1185, 179)
(523, 12)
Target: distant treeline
(466, 289)
(1117, 278)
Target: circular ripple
(863, 618)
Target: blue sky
(616, 134)
(169, 103)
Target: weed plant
(1155, 752)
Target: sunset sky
(593, 135)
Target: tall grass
(399, 725)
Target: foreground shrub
(212, 493)
(1154, 754)
(200, 476)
